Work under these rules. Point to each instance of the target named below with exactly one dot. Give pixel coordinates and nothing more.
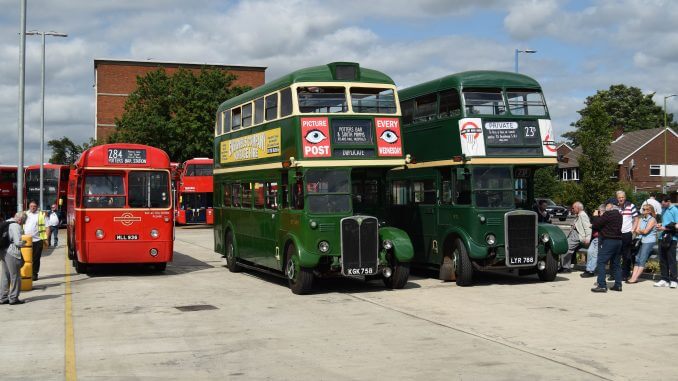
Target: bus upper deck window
(317, 99)
(272, 107)
(425, 107)
(227, 121)
(450, 104)
(236, 119)
(247, 115)
(526, 102)
(368, 100)
(285, 102)
(484, 102)
(259, 111)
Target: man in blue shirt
(667, 253)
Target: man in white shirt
(53, 227)
(35, 227)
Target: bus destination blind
(126, 156)
(352, 131)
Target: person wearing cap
(609, 226)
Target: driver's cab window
(446, 185)
(462, 187)
(424, 192)
(298, 192)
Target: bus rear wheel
(462, 264)
(231, 261)
(299, 278)
(548, 274)
(399, 276)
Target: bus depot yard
(199, 321)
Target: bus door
(268, 220)
(424, 196)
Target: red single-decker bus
(120, 207)
(195, 192)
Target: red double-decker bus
(194, 192)
(55, 185)
(7, 191)
(120, 207)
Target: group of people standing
(43, 229)
(623, 237)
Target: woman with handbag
(647, 232)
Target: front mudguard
(402, 246)
(306, 258)
(557, 241)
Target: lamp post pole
(42, 112)
(664, 190)
(517, 51)
(22, 98)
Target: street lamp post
(22, 98)
(528, 51)
(664, 190)
(42, 111)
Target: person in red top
(609, 227)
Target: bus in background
(55, 182)
(7, 191)
(300, 168)
(194, 192)
(476, 139)
(120, 207)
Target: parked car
(556, 211)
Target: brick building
(114, 80)
(639, 156)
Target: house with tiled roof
(641, 157)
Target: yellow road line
(69, 347)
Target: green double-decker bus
(466, 199)
(300, 169)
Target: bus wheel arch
(231, 257)
(300, 278)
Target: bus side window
(227, 195)
(407, 108)
(259, 197)
(246, 195)
(298, 193)
(450, 104)
(285, 102)
(235, 125)
(259, 111)
(425, 107)
(272, 107)
(235, 194)
(227, 121)
(446, 182)
(424, 192)
(284, 193)
(271, 195)
(399, 193)
(462, 187)
(247, 115)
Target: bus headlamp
(313, 224)
(388, 244)
(545, 238)
(324, 246)
(100, 234)
(155, 233)
(490, 239)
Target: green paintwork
(402, 245)
(558, 240)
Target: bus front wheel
(80, 268)
(548, 274)
(462, 264)
(231, 261)
(399, 276)
(300, 278)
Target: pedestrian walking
(579, 236)
(630, 224)
(35, 227)
(53, 239)
(12, 261)
(667, 246)
(609, 226)
(647, 234)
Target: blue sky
(583, 46)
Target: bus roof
(46, 166)
(198, 160)
(322, 73)
(474, 78)
(98, 156)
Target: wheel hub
(291, 271)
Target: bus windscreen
(371, 100)
(104, 191)
(148, 189)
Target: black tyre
(80, 268)
(548, 274)
(399, 276)
(160, 267)
(299, 278)
(231, 260)
(463, 266)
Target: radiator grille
(359, 244)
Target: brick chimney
(619, 131)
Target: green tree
(64, 151)
(568, 193)
(627, 108)
(546, 182)
(176, 113)
(595, 135)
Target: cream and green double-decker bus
(466, 199)
(300, 170)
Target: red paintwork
(7, 191)
(82, 241)
(62, 185)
